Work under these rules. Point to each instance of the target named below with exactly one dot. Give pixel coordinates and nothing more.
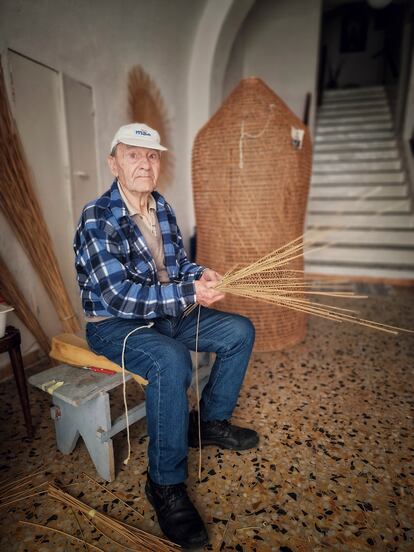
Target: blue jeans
(161, 355)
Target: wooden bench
(80, 398)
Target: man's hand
(206, 295)
(210, 276)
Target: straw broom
(136, 538)
(25, 487)
(270, 280)
(22, 210)
(9, 289)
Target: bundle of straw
(22, 487)
(22, 210)
(9, 289)
(270, 279)
(136, 538)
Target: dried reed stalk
(112, 494)
(96, 528)
(9, 289)
(146, 105)
(20, 206)
(12, 482)
(68, 535)
(270, 280)
(138, 539)
(80, 528)
(9, 493)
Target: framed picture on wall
(354, 29)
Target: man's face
(136, 168)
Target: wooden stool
(81, 404)
(10, 342)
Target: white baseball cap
(138, 134)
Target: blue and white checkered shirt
(115, 270)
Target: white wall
(215, 34)
(279, 43)
(97, 42)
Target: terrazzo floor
(334, 470)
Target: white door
(81, 141)
(39, 113)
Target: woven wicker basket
(250, 192)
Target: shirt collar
(152, 205)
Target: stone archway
(215, 34)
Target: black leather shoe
(221, 433)
(178, 518)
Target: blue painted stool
(80, 398)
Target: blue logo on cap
(142, 133)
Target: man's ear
(112, 165)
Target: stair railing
(306, 110)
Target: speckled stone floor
(334, 470)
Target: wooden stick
(90, 522)
(68, 535)
(25, 497)
(17, 483)
(26, 490)
(79, 525)
(132, 534)
(113, 494)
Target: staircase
(360, 195)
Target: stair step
(348, 166)
(351, 136)
(356, 237)
(370, 111)
(364, 256)
(354, 145)
(351, 103)
(359, 198)
(383, 273)
(356, 192)
(360, 97)
(383, 125)
(359, 178)
(359, 205)
(354, 107)
(352, 119)
(355, 156)
(380, 221)
(346, 92)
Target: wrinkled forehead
(137, 149)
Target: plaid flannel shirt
(115, 270)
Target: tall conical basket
(251, 183)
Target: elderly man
(134, 274)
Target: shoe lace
(172, 492)
(223, 426)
